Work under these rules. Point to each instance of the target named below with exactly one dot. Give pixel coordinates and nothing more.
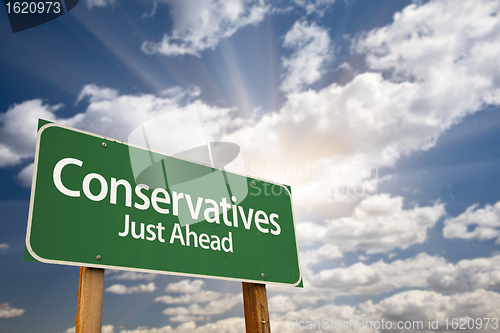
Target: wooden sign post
(255, 306)
(90, 295)
(89, 308)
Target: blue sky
(408, 90)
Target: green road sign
(98, 202)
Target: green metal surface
(73, 230)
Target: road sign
(88, 209)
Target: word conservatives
(165, 203)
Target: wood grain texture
(89, 309)
(256, 310)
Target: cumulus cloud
(4, 246)
(457, 40)
(311, 49)
(426, 71)
(422, 271)
(18, 130)
(230, 325)
(379, 224)
(26, 175)
(131, 276)
(281, 303)
(288, 322)
(97, 94)
(104, 329)
(466, 275)
(216, 303)
(122, 290)
(201, 296)
(115, 115)
(324, 252)
(6, 311)
(418, 305)
(107, 329)
(315, 6)
(412, 306)
(399, 106)
(378, 277)
(201, 25)
(485, 222)
(185, 286)
(195, 312)
(99, 3)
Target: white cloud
(201, 296)
(108, 113)
(117, 115)
(104, 329)
(466, 275)
(281, 303)
(427, 70)
(370, 121)
(6, 311)
(187, 318)
(200, 25)
(107, 329)
(99, 3)
(185, 286)
(421, 271)
(311, 47)
(486, 223)
(378, 277)
(418, 305)
(97, 94)
(26, 175)
(439, 42)
(122, 290)
(230, 325)
(315, 6)
(379, 224)
(131, 276)
(288, 322)
(4, 246)
(215, 307)
(363, 258)
(413, 305)
(324, 252)
(216, 303)
(18, 130)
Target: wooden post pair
(90, 292)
